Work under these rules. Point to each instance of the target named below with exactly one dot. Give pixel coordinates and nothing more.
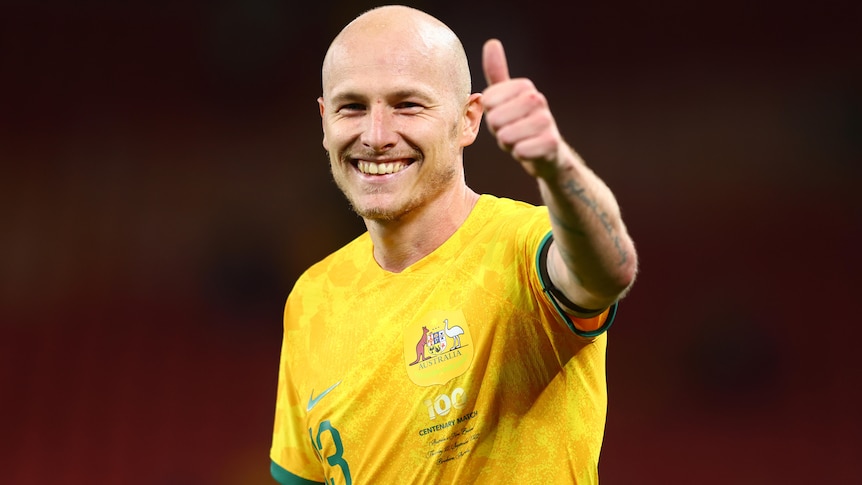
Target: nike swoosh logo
(312, 401)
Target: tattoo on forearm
(573, 189)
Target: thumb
(494, 62)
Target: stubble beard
(433, 183)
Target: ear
(322, 107)
(472, 119)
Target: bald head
(395, 31)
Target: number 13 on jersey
(335, 459)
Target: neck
(400, 243)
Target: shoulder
(344, 262)
(510, 214)
(508, 206)
(330, 280)
(517, 222)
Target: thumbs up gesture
(518, 114)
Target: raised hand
(518, 114)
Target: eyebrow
(399, 94)
(411, 93)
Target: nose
(379, 132)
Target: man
(461, 339)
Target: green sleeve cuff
(555, 296)
(284, 477)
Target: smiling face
(397, 112)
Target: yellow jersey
(459, 369)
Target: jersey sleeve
(588, 327)
(294, 461)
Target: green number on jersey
(336, 458)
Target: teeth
(380, 168)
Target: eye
(409, 107)
(351, 108)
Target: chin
(383, 212)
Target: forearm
(593, 261)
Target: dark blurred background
(163, 185)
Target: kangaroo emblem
(454, 333)
(420, 347)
